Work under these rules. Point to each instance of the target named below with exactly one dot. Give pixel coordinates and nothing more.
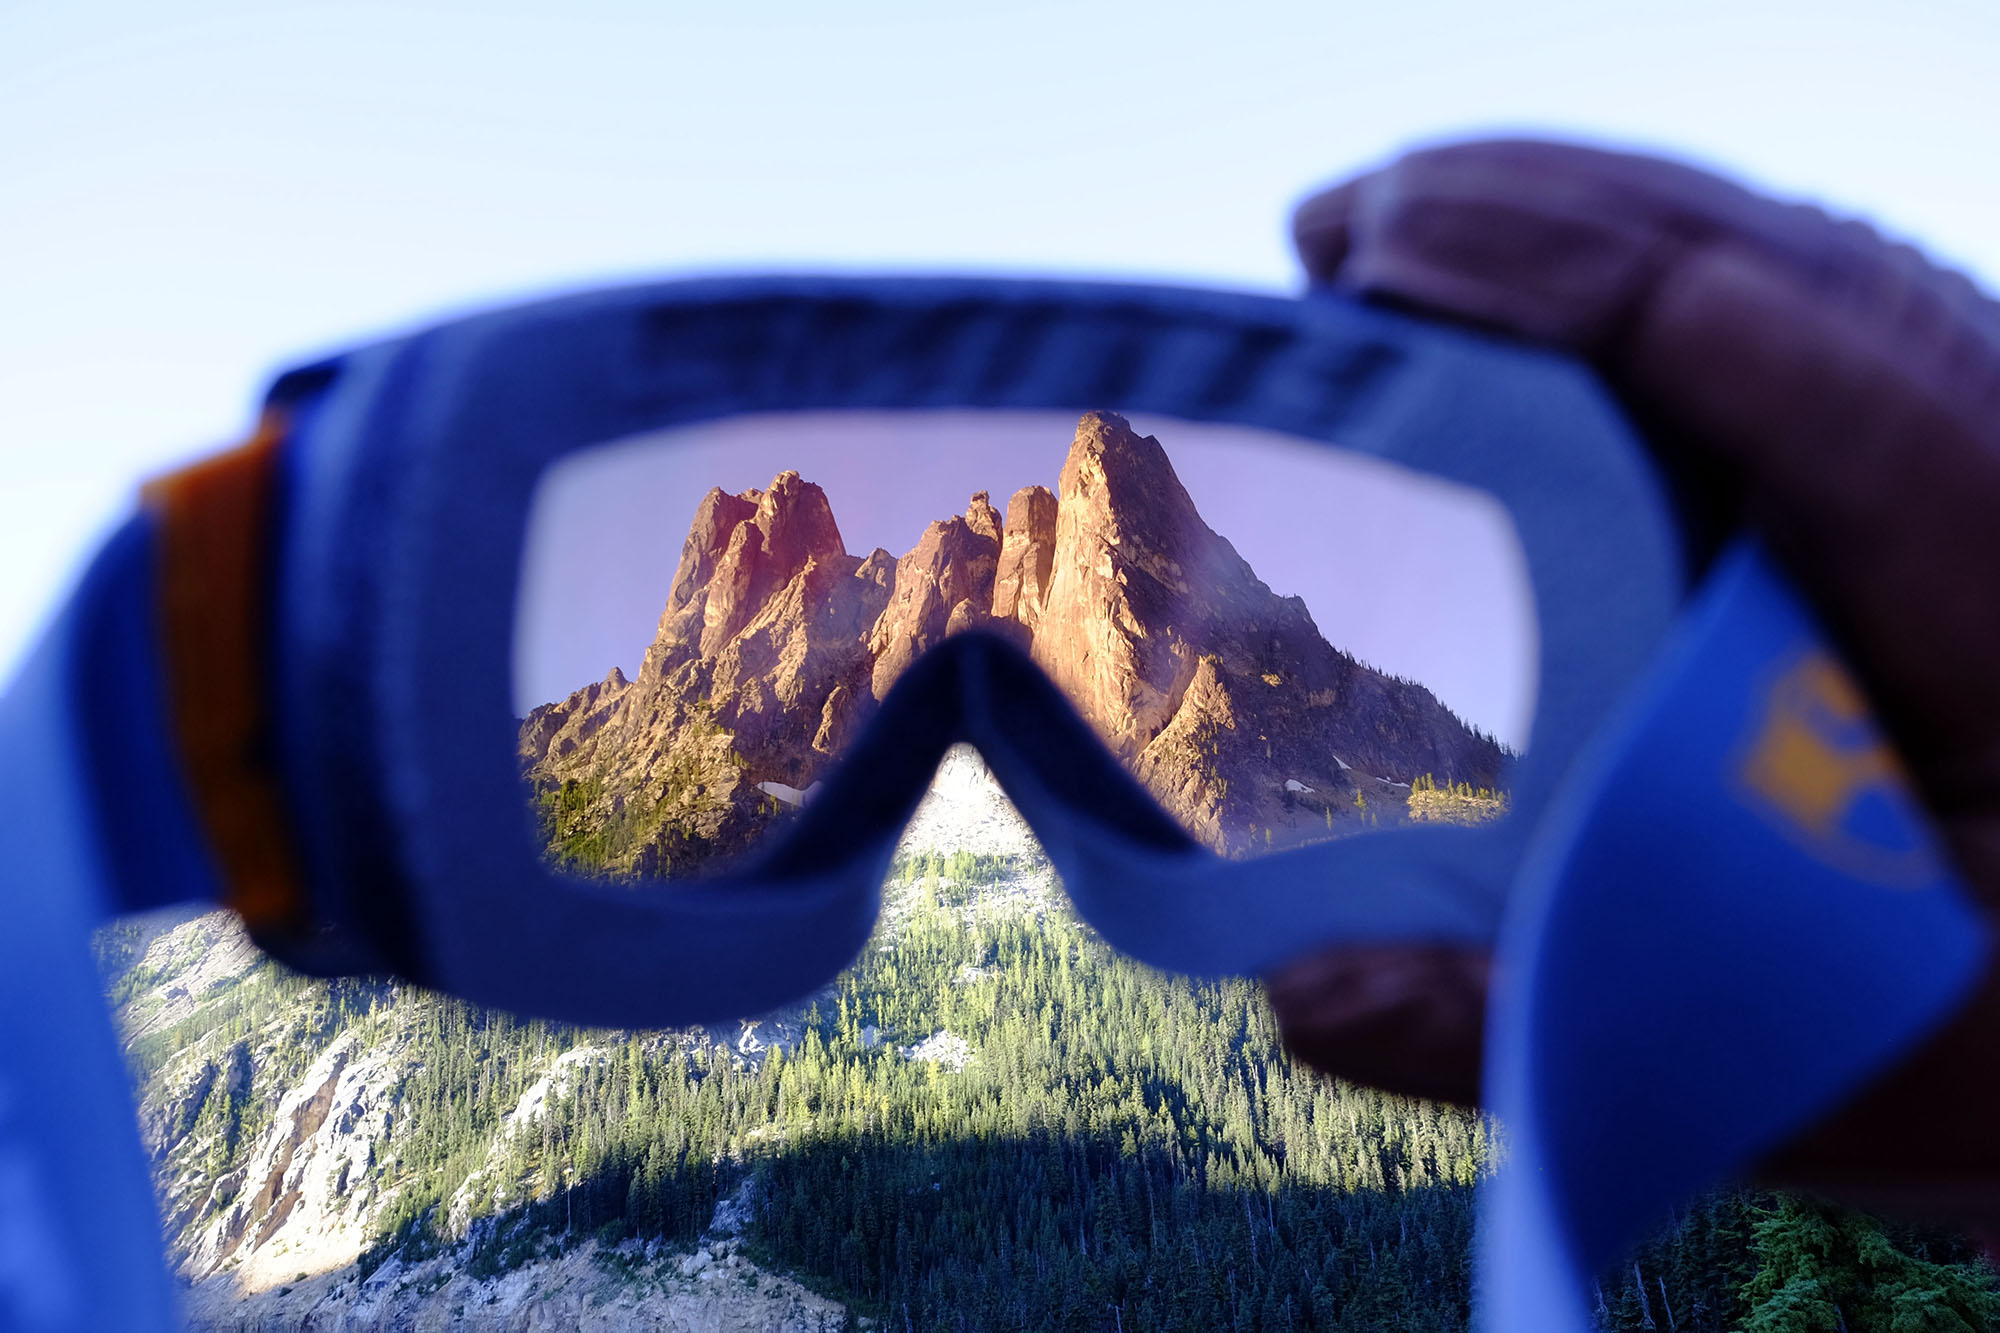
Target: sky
(197, 194)
(1415, 576)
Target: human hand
(1406, 1017)
(1837, 393)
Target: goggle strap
(215, 522)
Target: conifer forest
(991, 1121)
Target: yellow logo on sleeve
(1817, 768)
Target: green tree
(1822, 1268)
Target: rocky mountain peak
(716, 519)
(982, 517)
(775, 645)
(1106, 441)
(943, 585)
(1137, 577)
(1027, 557)
(797, 524)
(741, 551)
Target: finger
(1319, 231)
(1406, 1018)
(1560, 242)
(1548, 241)
(1867, 1154)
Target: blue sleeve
(81, 839)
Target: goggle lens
(1285, 642)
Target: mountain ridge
(776, 644)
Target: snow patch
(790, 795)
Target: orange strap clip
(215, 528)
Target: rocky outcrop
(275, 1126)
(1027, 557)
(1135, 572)
(1218, 691)
(943, 586)
(982, 517)
(758, 671)
(710, 1287)
(775, 646)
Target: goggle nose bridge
(977, 689)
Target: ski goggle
(597, 659)
(626, 632)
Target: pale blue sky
(193, 194)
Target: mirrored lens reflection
(1284, 642)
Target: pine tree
(1821, 1267)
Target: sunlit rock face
(775, 646)
(759, 671)
(1027, 558)
(1216, 690)
(943, 586)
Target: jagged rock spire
(775, 646)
